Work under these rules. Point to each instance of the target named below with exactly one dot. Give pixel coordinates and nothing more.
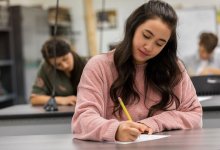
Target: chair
(206, 85)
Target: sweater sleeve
(89, 121)
(187, 116)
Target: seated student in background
(146, 74)
(204, 62)
(69, 68)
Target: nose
(148, 46)
(64, 65)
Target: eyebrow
(153, 35)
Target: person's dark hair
(162, 72)
(57, 47)
(209, 41)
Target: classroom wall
(77, 11)
(123, 9)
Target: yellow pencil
(124, 109)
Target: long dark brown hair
(62, 48)
(162, 72)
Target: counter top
(29, 111)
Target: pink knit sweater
(93, 119)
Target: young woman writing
(145, 72)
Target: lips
(143, 52)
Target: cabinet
(31, 30)
(64, 22)
(7, 68)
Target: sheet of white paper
(144, 137)
(203, 98)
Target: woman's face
(63, 63)
(203, 53)
(149, 40)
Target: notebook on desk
(206, 85)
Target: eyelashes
(149, 37)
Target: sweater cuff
(111, 131)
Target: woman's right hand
(129, 131)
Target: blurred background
(92, 27)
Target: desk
(201, 139)
(27, 120)
(211, 112)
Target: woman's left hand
(148, 129)
(68, 100)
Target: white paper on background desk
(144, 137)
(203, 98)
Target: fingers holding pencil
(128, 131)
